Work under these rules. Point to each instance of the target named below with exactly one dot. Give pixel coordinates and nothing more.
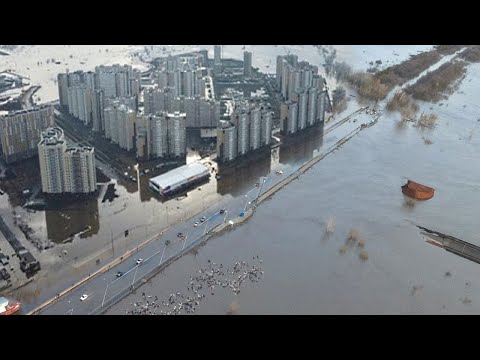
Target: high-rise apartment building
(255, 128)
(158, 135)
(289, 117)
(226, 142)
(249, 129)
(63, 169)
(217, 54)
(79, 170)
(20, 132)
(247, 64)
(51, 149)
(177, 139)
(266, 128)
(161, 135)
(241, 119)
(119, 125)
(302, 97)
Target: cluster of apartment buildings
(303, 94)
(26, 133)
(201, 111)
(180, 96)
(65, 169)
(161, 135)
(183, 83)
(84, 93)
(20, 132)
(249, 129)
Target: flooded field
(309, 272)
(304, 270)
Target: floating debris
(204, 279)
(363, 255)
(466, 300)
(415, 288)
(232, 308)
(330, 225)
(353, 235)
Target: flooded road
(359, 186)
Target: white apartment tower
(177, 142)
(79, 170)
(247, 64)
(158, 135)
(266, 128)
(51, 149)
(255, 128)
(226, 142)
(62, 169)
(241, 119)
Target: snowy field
(31, 61)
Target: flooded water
(35, 62)
(359, 186)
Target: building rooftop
(25, 111)
(52, 136)
(80, 149)
(179, 174)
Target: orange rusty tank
(417, 191)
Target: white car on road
(83, 297)
(139, 261)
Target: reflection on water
(301, 147)
(235, 179)
(73, 219)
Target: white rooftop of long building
(179, 174)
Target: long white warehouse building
(179, 178)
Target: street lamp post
(161, 258)
(259, 191)
(205, 230)
(246, 203)
(105, 294)
(135, 275)
(184, 242)
(226, 211)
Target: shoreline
(222, 228)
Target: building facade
(20, 132)
(79, 170)
(177, 136)
(51, 149)
(226, 142)
(64, 169)
(247, 64)
(249, 129)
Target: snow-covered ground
(31, 61)
(24, 60)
